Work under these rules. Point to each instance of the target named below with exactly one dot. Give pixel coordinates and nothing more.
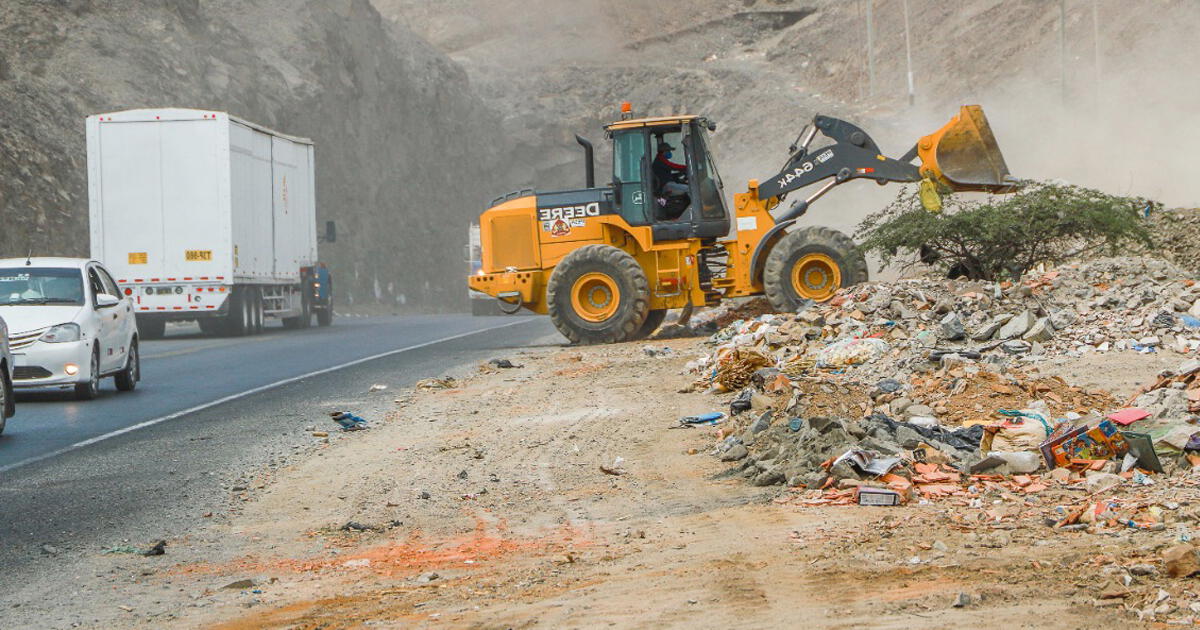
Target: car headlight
(61, 333)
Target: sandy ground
(522, 529)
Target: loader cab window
(630, 163)
(671, 188)
(708, 181)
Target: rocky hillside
(762, 68)
(404, 149)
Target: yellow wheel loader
(608, 263)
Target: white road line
(250, 392)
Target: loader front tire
(811, 264)
(598, 294)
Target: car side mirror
(104, 300)
(330, 232)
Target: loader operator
(670, 181)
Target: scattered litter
(708, 419)
(376, 388)
(742, 402)
(444, 382)
(1126, 417)
(868, 462)
(348, 421)
(503, 364)
(847, 352)
(877, 496)
(615, 469)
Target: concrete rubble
(925, 392)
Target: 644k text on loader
(608, 263)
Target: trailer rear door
(163, 198)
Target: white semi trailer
(203, 216)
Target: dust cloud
(1121, 124)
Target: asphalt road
(187, 370)
(148, 464)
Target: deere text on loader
(608, 263)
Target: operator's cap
(663, 146)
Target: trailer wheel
(598, 294)
(811, 264)
(653, 320)
(151, 328)
(325, 315)
(238, 321)
(304, 319)
(256, 311)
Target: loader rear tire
(598, 294)
(653, 320)
(811, 264)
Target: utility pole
(870, 52)
(1096, 51)
(912, 92)
(1062, 47)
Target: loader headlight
(61, 333)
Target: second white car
(69, 325)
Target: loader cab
(680, 199)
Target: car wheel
(128, 378)
(6, 405)
(90, 389)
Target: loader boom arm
(853, 155)
(960, 156)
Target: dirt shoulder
(485, 505)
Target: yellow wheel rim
(816, 277)
(595, 297)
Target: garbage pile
(917, 389)
(921, 392)
(1108, 304)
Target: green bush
(1005, 236)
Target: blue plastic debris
(348, 421)
(715, 417)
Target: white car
(69, 325)
(7, 401)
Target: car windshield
(40, 285)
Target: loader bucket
(963, 155)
